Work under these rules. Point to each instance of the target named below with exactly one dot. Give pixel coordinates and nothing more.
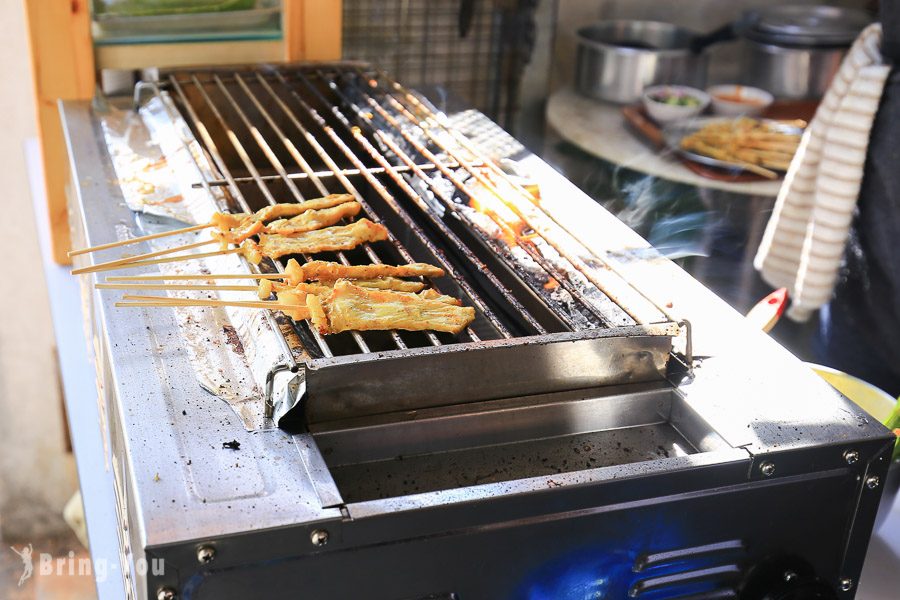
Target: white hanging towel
(804, 240)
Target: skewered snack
(344, 237)
(314, 270)
(754, 145)
(351, 307)
(322, 270)
(308, 220)
(238, 224)
(344, 307)
(286, 210)
(266, 287)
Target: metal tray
(674, 133)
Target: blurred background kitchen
(515, 60)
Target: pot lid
(796, 25)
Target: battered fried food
(751, 144)
(351, 307)
(344, 237)
(314, 219)
(289, 218)
(267, 286)
(321, 270)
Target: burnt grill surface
(289, 133)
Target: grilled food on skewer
(267, 287)
(345, 307)
(244, 224)
(344, 237)
(322, 270)
(314, 270)
(306, 221)
(226, 222)
(350, 307)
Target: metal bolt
(851, 456)
(319, 537)
(846, 584)
(872, 482)
(789, 576)
(205, 554)
(166, 593)
(767, 469)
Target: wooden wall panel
(62, 60)
(312, 29)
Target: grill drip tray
(507, 440)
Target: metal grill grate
(293, 132)
(285, 134)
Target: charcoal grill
(605, 426)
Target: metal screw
(789, 576)
(166, 593)
(319, 537)
(846, 585)
(767, 469)
(851, 456)
(872, 482)
(205, 554)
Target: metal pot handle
(727, 33)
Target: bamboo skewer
(175, 286)
(194, 277)
(138, 258)
(143, 238)
(159, 261)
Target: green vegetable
(676, 99)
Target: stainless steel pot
(793, 51)
(616, 60)
(791, 73)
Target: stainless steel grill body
(553, 447)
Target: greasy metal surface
(183, 481)
(509, 439)
(497, 369)
(258, 505)
(405, 475)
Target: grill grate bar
(373, 257)
(448, 173)
(526, 245)
(425, 125)
(398, 341)
(301, 176)
(223, 168)
(338, 174)
(391, 202)
(309, 111)
(279, 168)
(394, 171)
(205, 183)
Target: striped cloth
(805, 238)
